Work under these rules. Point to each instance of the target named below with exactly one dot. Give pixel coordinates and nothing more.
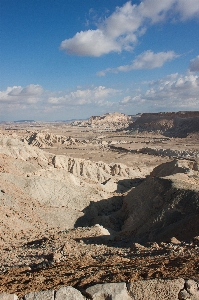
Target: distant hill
(109, 120)
(176, 124)
(24, 121)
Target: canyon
(109, 200)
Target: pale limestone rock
(184, 295)
(110, 186)
(96, 171)
(19, 150)
(156, 289)
(175, 241)
(113, 291)
(193, 288)
(68, 293)
(106, 121)
(104, 233)
(102, 230)
(5, 296)
(41, 295)
(137, 247)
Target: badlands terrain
(112, 199)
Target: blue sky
(72, 59)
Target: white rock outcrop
(114, 291)
(45, 139)
(96, 171)
(5, 296)
(68, 293)
(41, 295)
(156, 289)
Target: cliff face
(180, 114)
(178, 124)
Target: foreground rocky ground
(82, 258)
(81, 207)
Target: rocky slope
(45, 139)
(165, 204)
(44, 191)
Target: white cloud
(173, 91)
(34, 102)
(146, 60)
(187, 8)
(91, 42)
(150, 60)
(95, 95)
(121, 29)
(194, 64)
(17, 94)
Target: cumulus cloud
(95, 95)
(173, 91)
(150, 60)
(18, 94)
(194, 64)
(122, 28)
(34, 102)
(91, 42)
(146, 60)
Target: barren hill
(164, 205)
(45, 139)
(178, 124)
(64, 191)
(50, 191)
(161, 208)
(110, 120)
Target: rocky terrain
(80, 209)
(109, 121)
(179, 124)
(44, 140)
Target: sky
(72, 59)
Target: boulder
(193, 289)
(5, 296)
(175, 241)
(156, 289)
(41, 295)
(114, 291)
(68, 293)
(137, 247)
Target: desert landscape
(105, 208)
(99, 150)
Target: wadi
(104, 208)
